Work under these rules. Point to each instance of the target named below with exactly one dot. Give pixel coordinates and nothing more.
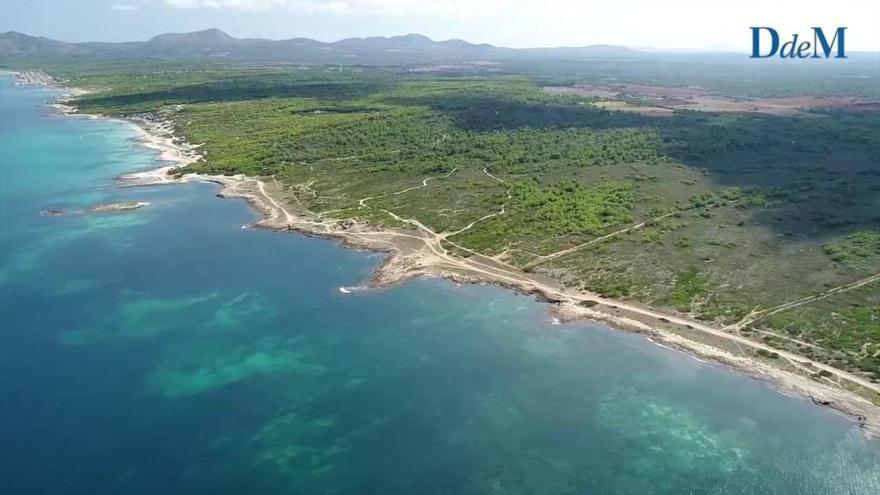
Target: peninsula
(735, 219)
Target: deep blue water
(166, 350)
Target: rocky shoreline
(117, 207)
(403, 263)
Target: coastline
(420, 252)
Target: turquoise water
(166, 350)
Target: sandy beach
(419, 251)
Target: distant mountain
(410, 48)
(207, 39)
(13, 44)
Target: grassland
(722, 217)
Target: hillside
(410, 48)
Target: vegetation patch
(690, 284)
(861, 244)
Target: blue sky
(637, 23)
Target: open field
(647, 99)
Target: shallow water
(166, 350)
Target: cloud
(233, 4)
(125, 7)
(445, 8)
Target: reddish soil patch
(581, 90)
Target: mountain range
(410, 48)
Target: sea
(168, 350)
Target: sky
(662, 24)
